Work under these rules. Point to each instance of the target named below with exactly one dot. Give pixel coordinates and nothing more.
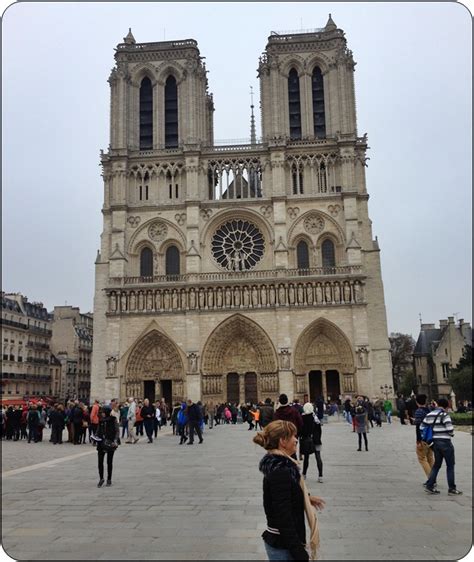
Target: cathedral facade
(237, 272)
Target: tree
(407, 384)
(460, 378)
(401, 348)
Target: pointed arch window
(171, 113)
(146, 114)
(172, 261)
(146, 263)
(328, 253)
(319, 116)
(302, 255)
(294, 106)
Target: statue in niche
(111, 366)
(123, 301)
(309, 293)
(183, 298)
(254, 296)
(193, 362)
(210, 297)
(272, 295)
(166, 300)
(281, 295)
(300, 293)
(291, 294)
(327, 292)
(357, 292)
(133, 302)
(202, 298)
(149, 300)
(192, 299)
(228, 297)
(174, 299)
(347, 292)
(285, 358)
(219, 297)
(245, 297)
(337, 293)
(113, 302)
(362, 355)
(157, 300)
(319, 293)
(263, 295)
(236, 296)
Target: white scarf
(310, 512)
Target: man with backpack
(437, 428)
(423, 451)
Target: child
(361, 426)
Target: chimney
(443, 323)
(427, 326)
(461, 322)
(451, 319)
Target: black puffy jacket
(283, 502)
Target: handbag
(307, 445)
(109, 445)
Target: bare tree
(401, 349)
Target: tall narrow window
(171, 113)
(146, 263)
(328, 253)
(319, 116)
(294, 104)
(172, 261)
(302, 255)
(297, 180)
(146, 114)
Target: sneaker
(136, 440)
(101, 482)
(109, 483)
(431, 490)
(435, 486)
(454, 492)
(320, 480)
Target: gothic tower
(237, 272)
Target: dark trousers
(319, 462)
(182, 433)
(365, 441)
(148, 422)
(194, 426)
(32, 433)
(156, 427)
(77, 433)
(56, 434)
(401, 415)
(110, 459)
(443, 449)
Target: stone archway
(324, 360)
(239, 345)
(155, 360)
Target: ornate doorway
(315, 385)
(149, 390)
(333, 386)
(233, 393)
(251, 390)
(154, 360)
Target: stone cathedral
(237, 271)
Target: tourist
(227, 414)
(424, 452)
(148, 415)
(194, 416)
(123, 418)
(256, 417)
(285, 498)
(310, 441)
(77, 416)
(139, 419)
(33, 420)
(361, 426)
(182, 421)
(85, 424)
(347, 410)
(174, 418)
(443, 447)
(23, 423)
(387, 408)
(114, 404)
(106, 436)
(42, 421)
(266, 413)
(94, 417)
(286, 412)
(320, 407)
(211, 411)
(157, 423)
(401, 407)
(57, 424)
(378, 408)
(131, 419)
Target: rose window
(237, 245)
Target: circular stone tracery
(237, 245)
(314, 224)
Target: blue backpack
(427, 431)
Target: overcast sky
(413, 90)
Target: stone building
(28, 367)
(437, 351)
(72, 345)
(240, 271)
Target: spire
(330, 26)
(253, 135)
(129, 39)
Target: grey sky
(413, 90)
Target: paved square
(204, 502)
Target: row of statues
(255, 296)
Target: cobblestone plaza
(205, 502)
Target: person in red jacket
(94, 417)
(288, 413)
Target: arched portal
(324, 362)
(239, 346)
(155, 369)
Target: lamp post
(386, 390)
